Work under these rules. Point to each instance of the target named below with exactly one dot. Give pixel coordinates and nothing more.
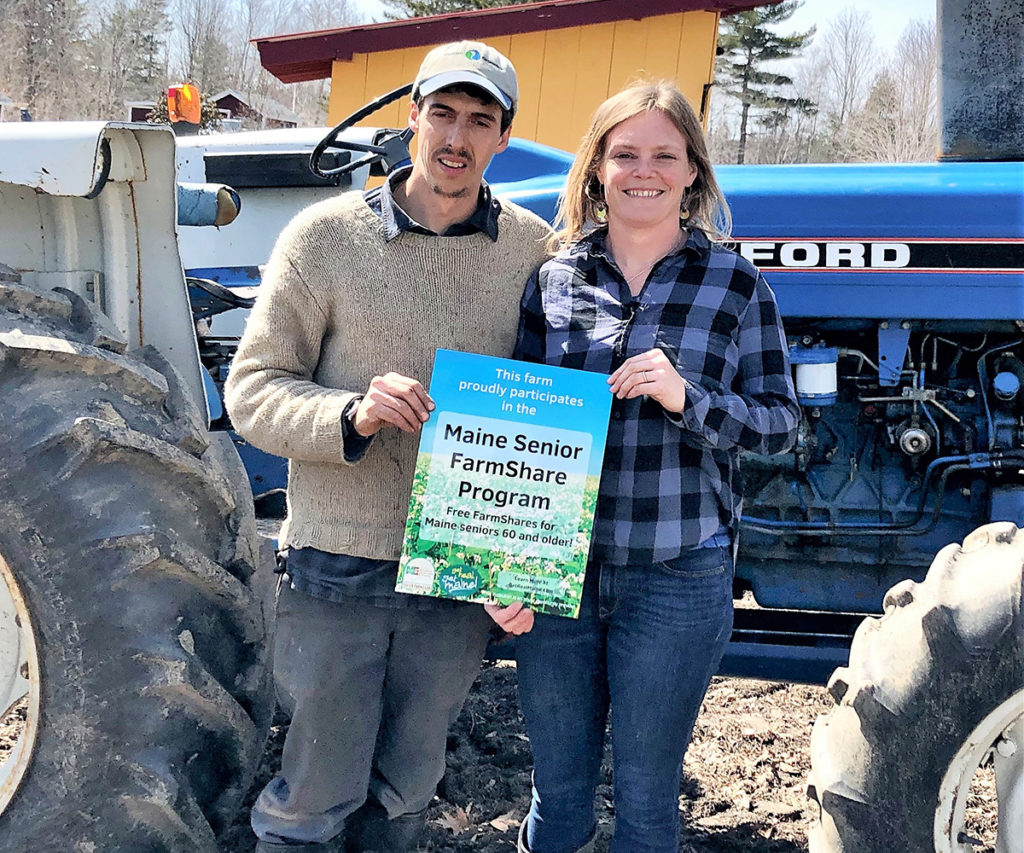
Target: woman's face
(645, 170)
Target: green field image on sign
(508, 566)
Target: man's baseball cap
(469, 62)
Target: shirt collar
(396, 220)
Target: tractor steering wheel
(392, 147)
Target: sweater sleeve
(270, 393)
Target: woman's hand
(650, 374)
(515, 619)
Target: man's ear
(414, 117)
(503, 140)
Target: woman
(690, 336)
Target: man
(359, 293)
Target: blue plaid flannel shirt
(670, 481)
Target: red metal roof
(308, 56)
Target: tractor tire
(930, 686)
(129, 544)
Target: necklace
(680, 240)
(644, 271)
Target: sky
(888, 17)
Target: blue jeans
(646, 644)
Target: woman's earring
(595, 194)
(684, 210)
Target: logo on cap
(473, 54)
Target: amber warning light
(184, 108)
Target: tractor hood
(920, 241)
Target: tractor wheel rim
(1000, 734)
(19, 677)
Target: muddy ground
(743, 786)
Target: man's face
(458, 136)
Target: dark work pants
(374, 690)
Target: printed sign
(506, 481)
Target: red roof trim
(308, 56)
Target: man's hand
(515, 619)
(392, 400)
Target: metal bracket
(893, 338)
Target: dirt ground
(742, 790)
(743, 787)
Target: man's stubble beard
(453, 194)
(463, 191)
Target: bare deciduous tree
(848, 46)
(310, 99)
(899, 122)
(916, 67)
(65, 59)
(202, 52)
(263, 17)
(868, 107)
(123, 56)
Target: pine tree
(400, 9)
(123, 52)
(746, 42)
(149, 68)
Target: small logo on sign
(459, 581)
(418, 575)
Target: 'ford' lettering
(832, 254)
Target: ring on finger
(646, 380)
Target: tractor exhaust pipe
(981, 69)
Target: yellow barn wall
(563, 74)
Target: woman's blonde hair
(577, 211)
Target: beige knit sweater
(338, 306)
